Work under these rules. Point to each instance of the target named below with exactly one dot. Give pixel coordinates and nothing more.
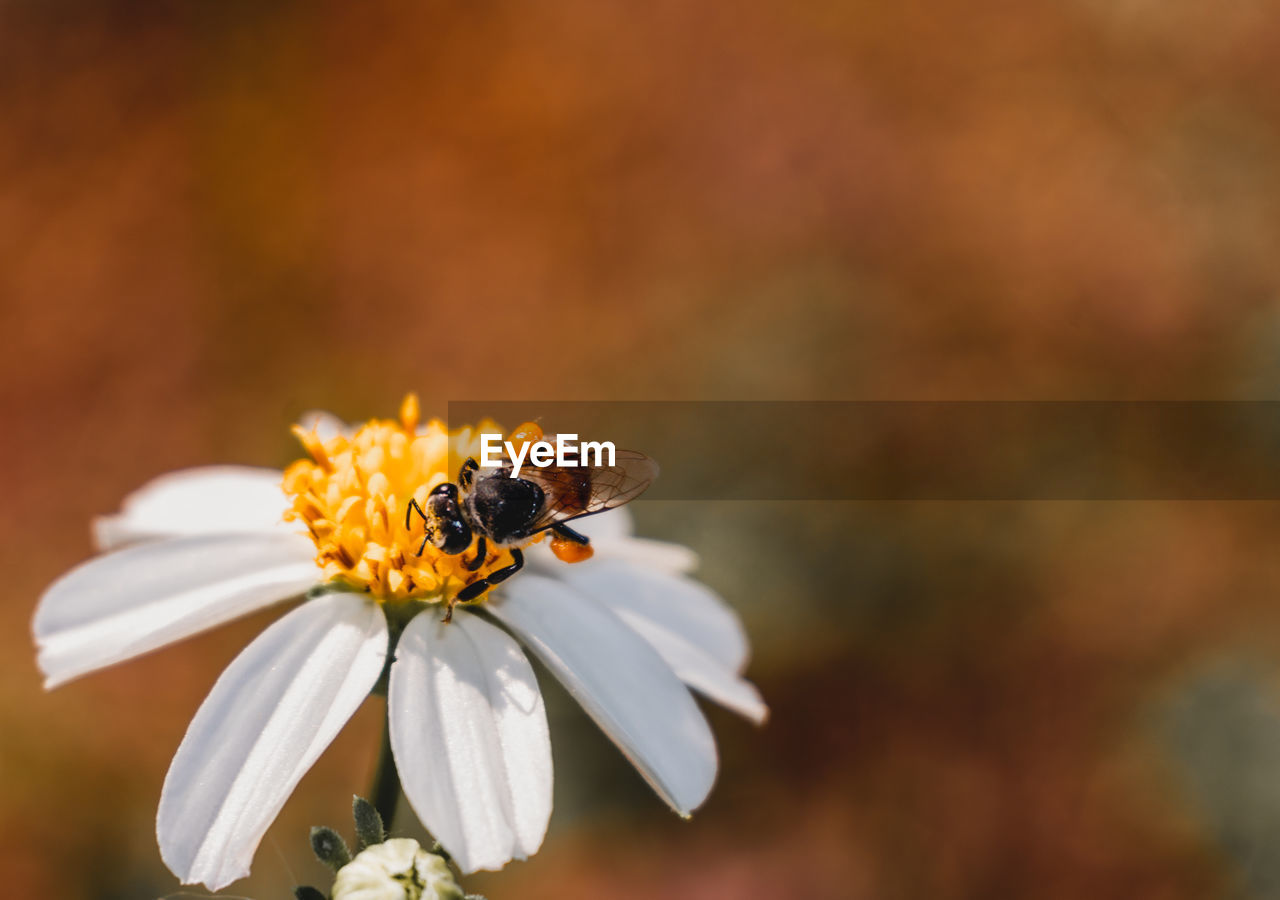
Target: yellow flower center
(352, 495)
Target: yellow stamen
(352, 495)
(313, 445)
(409, 413)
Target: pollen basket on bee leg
(570, 551)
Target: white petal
(681, 606)
(658, 608)
(324, 424)
(700, 671)
(131, 601)
(469, 733)
(620, 681)
(662, 556)
(610, 525)
(206, 500)
(612, 536)
(269, 717)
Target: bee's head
(447, 531)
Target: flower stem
(386, 780)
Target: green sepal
(329, 847)
(369, 829)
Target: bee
(488, 506)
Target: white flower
(625, 632)
(397, 869)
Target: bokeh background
(216, 215)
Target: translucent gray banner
(927, 450)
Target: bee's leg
(482, 550)
(476, 588)
(517, 563)
(466, 471)
(569, 534)
(408, 513)
(408, 518)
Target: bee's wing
(581, 490)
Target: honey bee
(490, 506)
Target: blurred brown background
(216, 215)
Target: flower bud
(398, 869)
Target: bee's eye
(444, 490)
